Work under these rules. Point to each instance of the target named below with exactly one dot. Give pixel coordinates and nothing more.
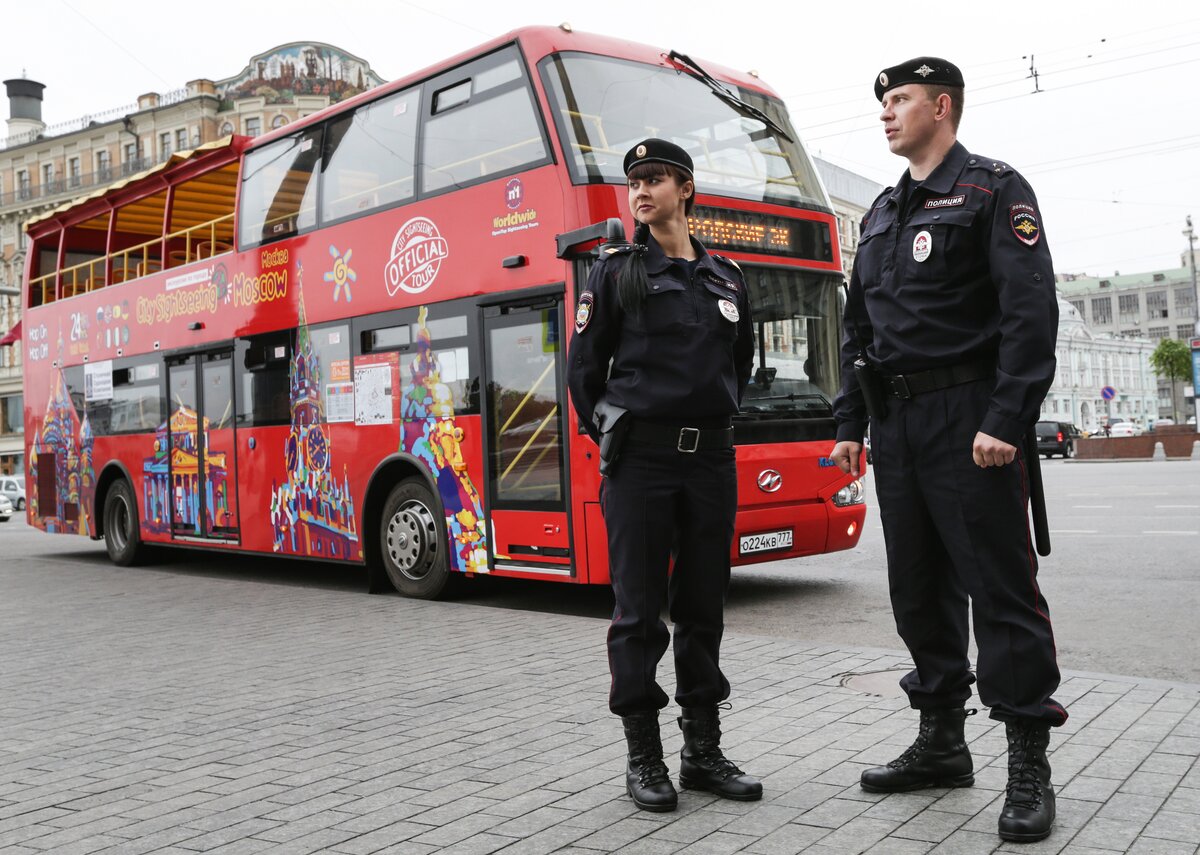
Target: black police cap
(924, 69)
(658, 151)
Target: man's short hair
(956, 101)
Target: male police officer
(951, 315)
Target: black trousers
(956, 532)
(660, 501)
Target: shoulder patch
(583, 312)
(1023, 219)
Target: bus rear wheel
(412, 541)
(122, 536)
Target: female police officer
(674, 321)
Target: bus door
(201, 445)
(527, 481)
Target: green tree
(1172, 359)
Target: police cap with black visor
(654, 150)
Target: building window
(1184, 331)
(1158, 333)
(279, 121)
(1185, 303)
(226, 129)
(103, 165)
(253, 126)
(73, 171)
(1079, 304)
(1156, 304)
(23, 189)
(181, 142)
(12, 417)
(48, 179)
(164, 145)
(130, 152)
(1132, 333)
(1129, 308)
(1102, 310)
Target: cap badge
(924, 70)
(640, 151)
(922, 246)
(883, 80)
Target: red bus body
(424, 339)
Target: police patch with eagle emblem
(583, 312)
(1023, 219)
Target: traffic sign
(1108, 393)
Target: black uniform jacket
(685, 359)
(950, 271)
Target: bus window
(371, 157)
(263, 375)
(279, 190)
(136, 405)
(331, 348)
(484, 126)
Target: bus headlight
(852, 494)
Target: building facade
(42, 167)
(1087, 363)
(1155, 305)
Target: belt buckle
(693, 434)
(900, 387)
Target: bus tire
(122, 534)
(412, 541)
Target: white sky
(1111, 145)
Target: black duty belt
(904, 386)
(685, 439)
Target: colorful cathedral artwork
(171, 482)
(312, 512)
(430, 432)
(63, 446)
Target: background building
(1087, 362)
(42, 167)
(1154, 305)
(851, 195)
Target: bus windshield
(603, 106)
(796, 356)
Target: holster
(612, 422)
(872, 389)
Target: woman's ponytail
(633, 283)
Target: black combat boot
(1028, 810)
(939, 757)
(646, 776)
(702, 764)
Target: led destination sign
(723, 228)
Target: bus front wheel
(122, 536)
(413, 541)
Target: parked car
(1057, 438)
(1125, 429)
(1168, 422)
(13, 486)
(6, 508)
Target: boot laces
(708, 750)
(914, 751)
(1024, 781)
(647, 759)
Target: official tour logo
(417, 255)
(514, 194)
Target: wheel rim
(119, 524)
(411, 534)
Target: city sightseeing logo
(417, 255)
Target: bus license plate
(766, 542)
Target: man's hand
(989, 451)
(846, 455)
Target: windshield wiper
(725, 95)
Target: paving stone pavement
(146, 710)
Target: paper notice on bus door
(98, 381)
(375, 384)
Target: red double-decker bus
(345, 340)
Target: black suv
(1057, 438)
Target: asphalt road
(1123, 580)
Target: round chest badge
(729, 310)
(418, 251)
(922, 246)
